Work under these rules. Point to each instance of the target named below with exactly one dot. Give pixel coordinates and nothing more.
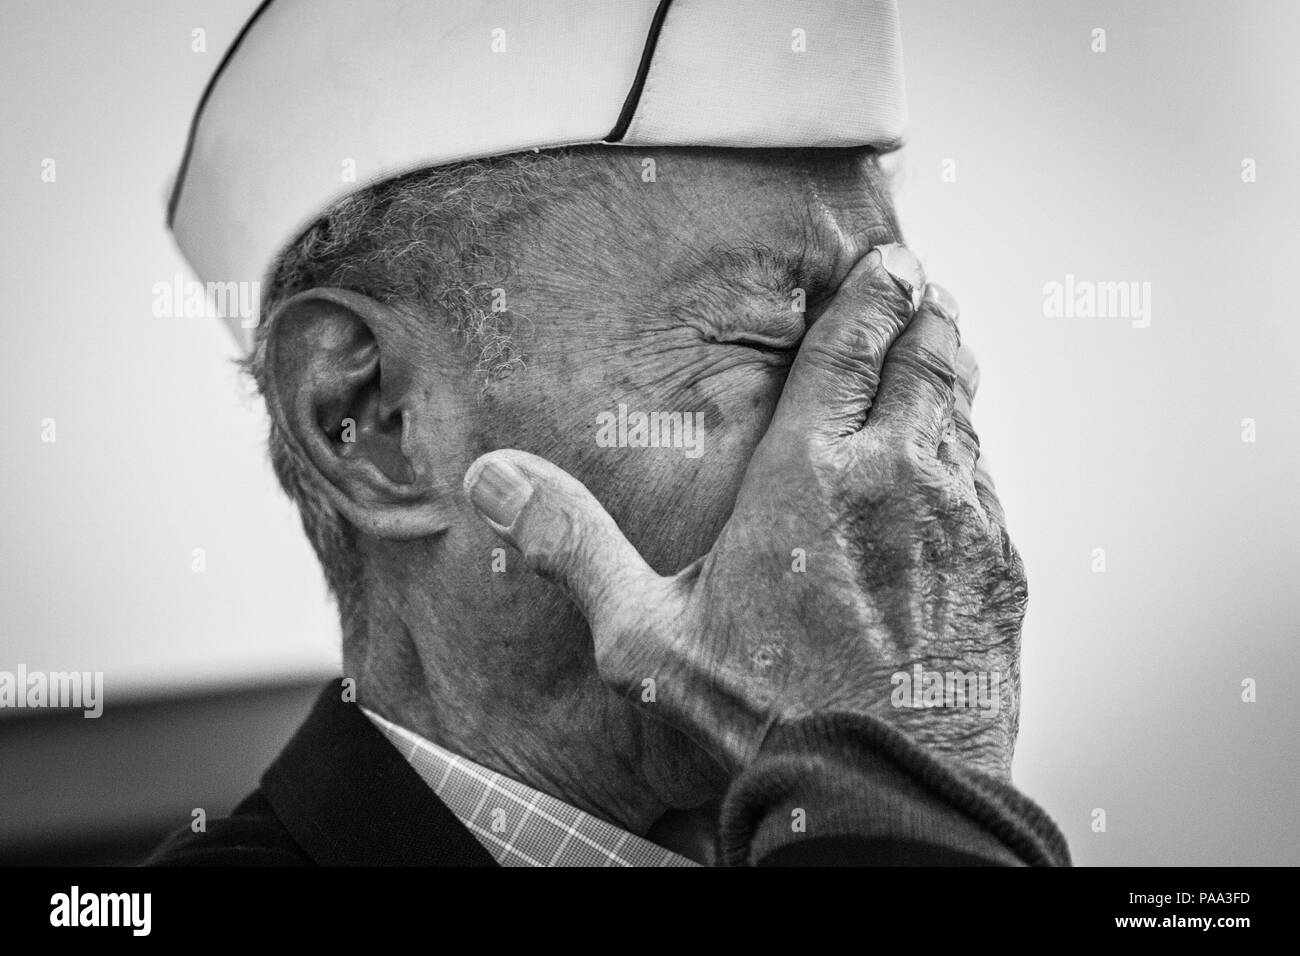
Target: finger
(963, 443)
(563, 533)
(968, 367)
(917, 379)
(960, 444)
(968, 384)
(835, 375)
(987, 493)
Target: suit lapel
(350, 799)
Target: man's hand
(866, 552)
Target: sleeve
(250, 836)
(846, 789)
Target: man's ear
(344, 381)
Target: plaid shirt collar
(518, 825)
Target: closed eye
(755, 296)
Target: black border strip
(198, 111)
(642, 70)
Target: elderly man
(740, 506)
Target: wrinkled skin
(869, 470)
(671, 296)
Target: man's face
(686, 291)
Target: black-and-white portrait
(654, 433)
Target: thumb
(563, 533)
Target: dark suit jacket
(338, 795)
(341, 795)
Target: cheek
(660, 432)
(673, 500)
(670, 507)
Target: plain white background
(1115, 166)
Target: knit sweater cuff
(838, 775)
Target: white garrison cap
(317, 99)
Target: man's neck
(565, 734)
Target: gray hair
(433, 240)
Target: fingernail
(906, 270)
(499, 491)
(942, 299)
